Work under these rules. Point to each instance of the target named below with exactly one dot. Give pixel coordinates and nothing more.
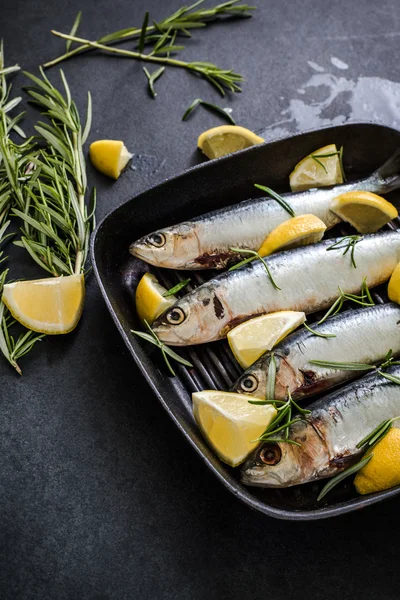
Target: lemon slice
(310, 173)
(251, 339)
(367, 212)
(383, 469)
(230, 423)
(299, 231)
(225, 139)
(150, 302)
(53, 305)
(394, 285)
(109, 157)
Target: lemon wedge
(318, 169)
(52, 306)
(230, 424)
(394, 285)
(150, 301)
(225, 139)
(109, 157)
(383, 469)
(299, 231)
(251, 339)
(367, 212)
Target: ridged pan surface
(203, 188)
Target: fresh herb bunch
(52, 203)
(161, 37)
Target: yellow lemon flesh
(394, 285)
(230, 424)
(310, 173)
(150, 302)
(52, 306)
(225, 139)
(109, 157)
(383, 470)
(365, 211)
(299, 231)
(251, 339)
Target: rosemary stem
(86, 46)
(139, 56)
(81, 201)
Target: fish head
(196, 318)
(282, 464)
(173, 247)
(254, 380)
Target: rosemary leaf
(277, 197)
(152, 78)
(74, 29)
(390, 377)
(343, 366)
(271, 378)
(255, 255)
(143, 32)
(177, 288)
(319, 334)
(343, 475)
(212, 107)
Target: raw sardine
(308, 277)
(328, 436)
(364, 336)
(206, 241)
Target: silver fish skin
(328, 436)
(205, 242)
(364, 335)
(308, 277)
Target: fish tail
(388, 175)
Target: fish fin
(389, 173)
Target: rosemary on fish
(367, 443)
(165, 350)
(388, 361)
(318, 333)
(339, 153)
(364, 299)
(177, 288)
(276, 197)
(254, 256)
(212, 107)
(347, 243)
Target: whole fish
(308, 278)
(328, 436)
(205, 242)
(364, 336)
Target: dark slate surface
(100, 497)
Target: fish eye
(175, 316)
(269, 454)
(157, 239)
(249, 383)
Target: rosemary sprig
(339, 153)
(276, 197)
(181, 21)
(347, 243)
(152, 78)
(364, 299)
(165, 350)
(371, 440)
(343, 475)
(254, 255)
(177, 288)
(343, 366)
(212, 107)
(7, 104)
(284, 416)
(221, 79)
(52, 203)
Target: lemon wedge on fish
(109, 157)
(230, 424)
(251, 339)
(382, 472)
(150, 299)
(365, 211)
(52, 306)
(225, 139)
(394, 285)
(318, 169)
(298, 231)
